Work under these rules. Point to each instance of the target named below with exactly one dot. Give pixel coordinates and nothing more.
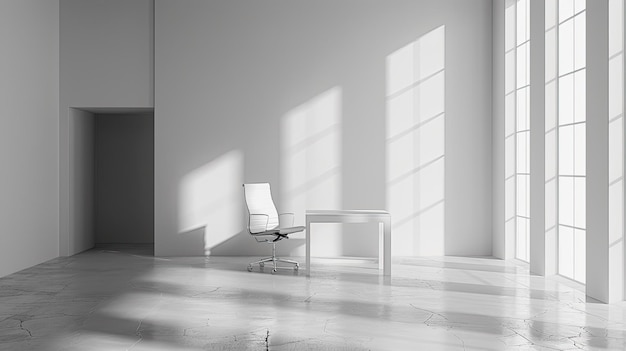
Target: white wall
(240, 80)
(106, 61)
(29, 105)
(81, 178)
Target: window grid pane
(571, 136)
(517, 122)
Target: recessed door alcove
(111, 177)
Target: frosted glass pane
(566, 99)
(566, 201)
(566, 47)
(579, 5)
(551, 54)
(616, 155)
(523, 203)
(551, 105)
(527, 20)
(509, 78)
(616, 67)
(580, 256)
(580, 101)
(521, 239)
(522, 13)
(522, 109)
(550, 154)
(509, 195)
(580, 217)
(523, 154)
(522, 65)
(580, 152)
(550, 14)
(509, 121)
(580, 28)
(566, 252)
(509, 229)
(616, 18)
(550, 203)
(616, 211)
(509, 22)
(566, 150)
(509, 156)
(566, 9)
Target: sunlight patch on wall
(210, 199)
(415, 120)
(311, 167)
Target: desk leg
(308, 248)
(387, 246)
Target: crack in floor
(25, 329)
(267, 341)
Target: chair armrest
(267, 218)
(288, 218)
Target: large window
(517, 125)
(566, 109)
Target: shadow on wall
(210, 203)
(310, 138)
(415, 99)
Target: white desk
(383, 218)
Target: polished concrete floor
(125, 299)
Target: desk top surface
(346, 212)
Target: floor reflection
(123, 298)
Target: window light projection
(210, 200)
(415, 126)
(311, 166)
(517, 126)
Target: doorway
(111, 188)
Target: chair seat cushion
(283, 231)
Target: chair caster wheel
(274, 270)
(261, 264)
(296, 267)
(249, 268)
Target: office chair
(265, 224)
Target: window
(566, 130)
(517, 126)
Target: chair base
(274, 260)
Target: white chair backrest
(259, 201)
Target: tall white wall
(29, 108)
(106, 61)
(81, 177)
(239, 80)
